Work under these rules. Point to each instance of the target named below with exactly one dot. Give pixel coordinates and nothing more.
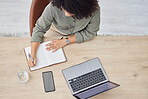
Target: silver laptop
(87, 79)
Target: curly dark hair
(80, 8)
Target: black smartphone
(48, 81)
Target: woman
(78, 20)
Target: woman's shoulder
(53, 8)
(97, 11)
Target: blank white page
(44, 57)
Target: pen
(30, 57)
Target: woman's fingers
(52, 43)
(55, 50)
(49, 44)
(51, 47)
(35, 61)
(30, 63)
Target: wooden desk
(124, 58)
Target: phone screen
(48, 81)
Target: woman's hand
(56, 44)
(30, 62)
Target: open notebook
(44, 57)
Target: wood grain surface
(124, 58)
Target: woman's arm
(84, 35)
(34, 46)
(90, 30)
(41, 26)
(72, 39)
(59, 43)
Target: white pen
(30, 57)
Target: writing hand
(30, 62)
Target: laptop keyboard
(87, 80)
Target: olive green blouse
(83, 29)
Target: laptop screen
(96, 90)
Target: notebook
(44, 57)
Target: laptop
(87, 79)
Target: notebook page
(56, 57)
(44, 57)
(41, 60)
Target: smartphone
(48, 81)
